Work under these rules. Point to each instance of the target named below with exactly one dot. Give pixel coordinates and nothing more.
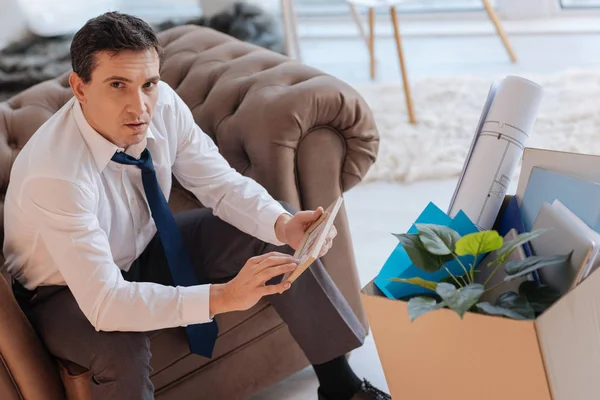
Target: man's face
(119, 100)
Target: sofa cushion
(171, 357)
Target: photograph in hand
(314, 239)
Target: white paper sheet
(504, 127)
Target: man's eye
(148, 85)
(117, 85)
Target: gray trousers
(318, 316)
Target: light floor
(484, 55)
(378, 209)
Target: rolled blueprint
(503, 129)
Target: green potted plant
(434, 245)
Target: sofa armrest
(260, 107)
(26, 368)
(306, 136)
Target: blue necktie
(201, 337)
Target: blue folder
(399, 265)
(511, 218)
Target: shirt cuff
(195, 303)
(269, 215)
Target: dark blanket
(35, 59)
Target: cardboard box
(440, 356)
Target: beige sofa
(304, 135)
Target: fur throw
(36, 59)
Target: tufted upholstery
(306, 136)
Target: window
(543, 9)
(409, 5)
(160, 10)
(579, 3)
(507, 9)
(317, 8)
(441, 5)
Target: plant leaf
(438, 239)
(540, 297)
(479, 243)
(515, 303)
(515, 269)
(418, 281)
(509, 246)
(460, 300)
(419, 255)
(418, 306)
(489, 309)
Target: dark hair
(112, 32)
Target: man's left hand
(290, 230)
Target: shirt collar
(101, 148)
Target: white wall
(59, 17)
(12, 22)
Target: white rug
(448, 108)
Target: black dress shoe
(366, 392)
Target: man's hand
(248, 287)
(290, 230)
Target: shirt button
(139, 231)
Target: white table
(293, 48)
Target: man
(98, 258)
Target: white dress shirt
(74, 217)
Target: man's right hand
(248, 287)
